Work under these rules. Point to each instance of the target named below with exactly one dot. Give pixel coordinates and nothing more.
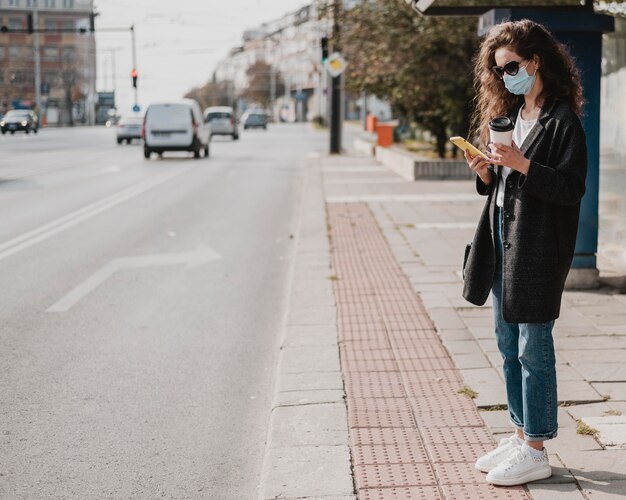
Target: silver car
(222, 121)
(129, 128)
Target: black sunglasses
(510, 68)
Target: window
(68, 4)
(2, 52)
(14, 3)
(67, 25)
(15, 51)
(50, 25)
(68, 53)
(30, 3)
(49, 4)
(50, 53)
(15, 23)
(50, 77)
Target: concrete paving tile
(611, 429)
(467, 361)
(307, 472)
(609, 320)
(495, 358)
(616, 391)
(603, 342)
(314, 358)
(446, 319)
(483, 332)
(576, 390)
(462, 346)
(455, 334)
(489, 385)
(619, 406)
(558, 491)
(602, 372)
(568, 441)
(562, 331)
(602, 490)
(498, 421)
(309, 381)
(568, 372)
(293, 398)
(595, 465)
(312, 316)
(480, 321)
(489, 345)
(309, 424)
(603, 355)
(588, 410)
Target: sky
(179, 42)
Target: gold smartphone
(467, 146)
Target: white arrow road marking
(202, 255)
(46, 231)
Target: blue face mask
(522, 83)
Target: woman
(525, 240)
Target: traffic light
(133, 74)
(324, 43)
(29, 24)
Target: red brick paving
(412, 435)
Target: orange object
(370, 123)
(385, 134)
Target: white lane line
(412, 198)
(202, 255)
(50, 229)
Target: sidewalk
(409, 342)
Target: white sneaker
(520, 467)
(497, 456)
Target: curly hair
(526, 38)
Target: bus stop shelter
(580, 28)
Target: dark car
(255, 119)
(19, 119)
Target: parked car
(254, 119)
(19, 119)
(175, 126)
(222, 120)
(129, 128)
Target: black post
(335, 92)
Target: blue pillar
(582, 32)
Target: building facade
(67, 59)
(291, 46)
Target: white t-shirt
(521, 130)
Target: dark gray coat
(540, 221)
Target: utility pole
(37, 57)
(336, 84)
(272, 88)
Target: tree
(421, 65)
(212, 94)
(263, 80)
(70, 78)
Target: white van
(175, 126)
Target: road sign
(136, 108)
(336, 64)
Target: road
(140, 312)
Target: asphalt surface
(153, 377)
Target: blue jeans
(529, 363)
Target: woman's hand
(480, 166)
(509, 156)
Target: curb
(307, 452)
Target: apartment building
(67, 59)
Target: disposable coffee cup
(501, 130)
